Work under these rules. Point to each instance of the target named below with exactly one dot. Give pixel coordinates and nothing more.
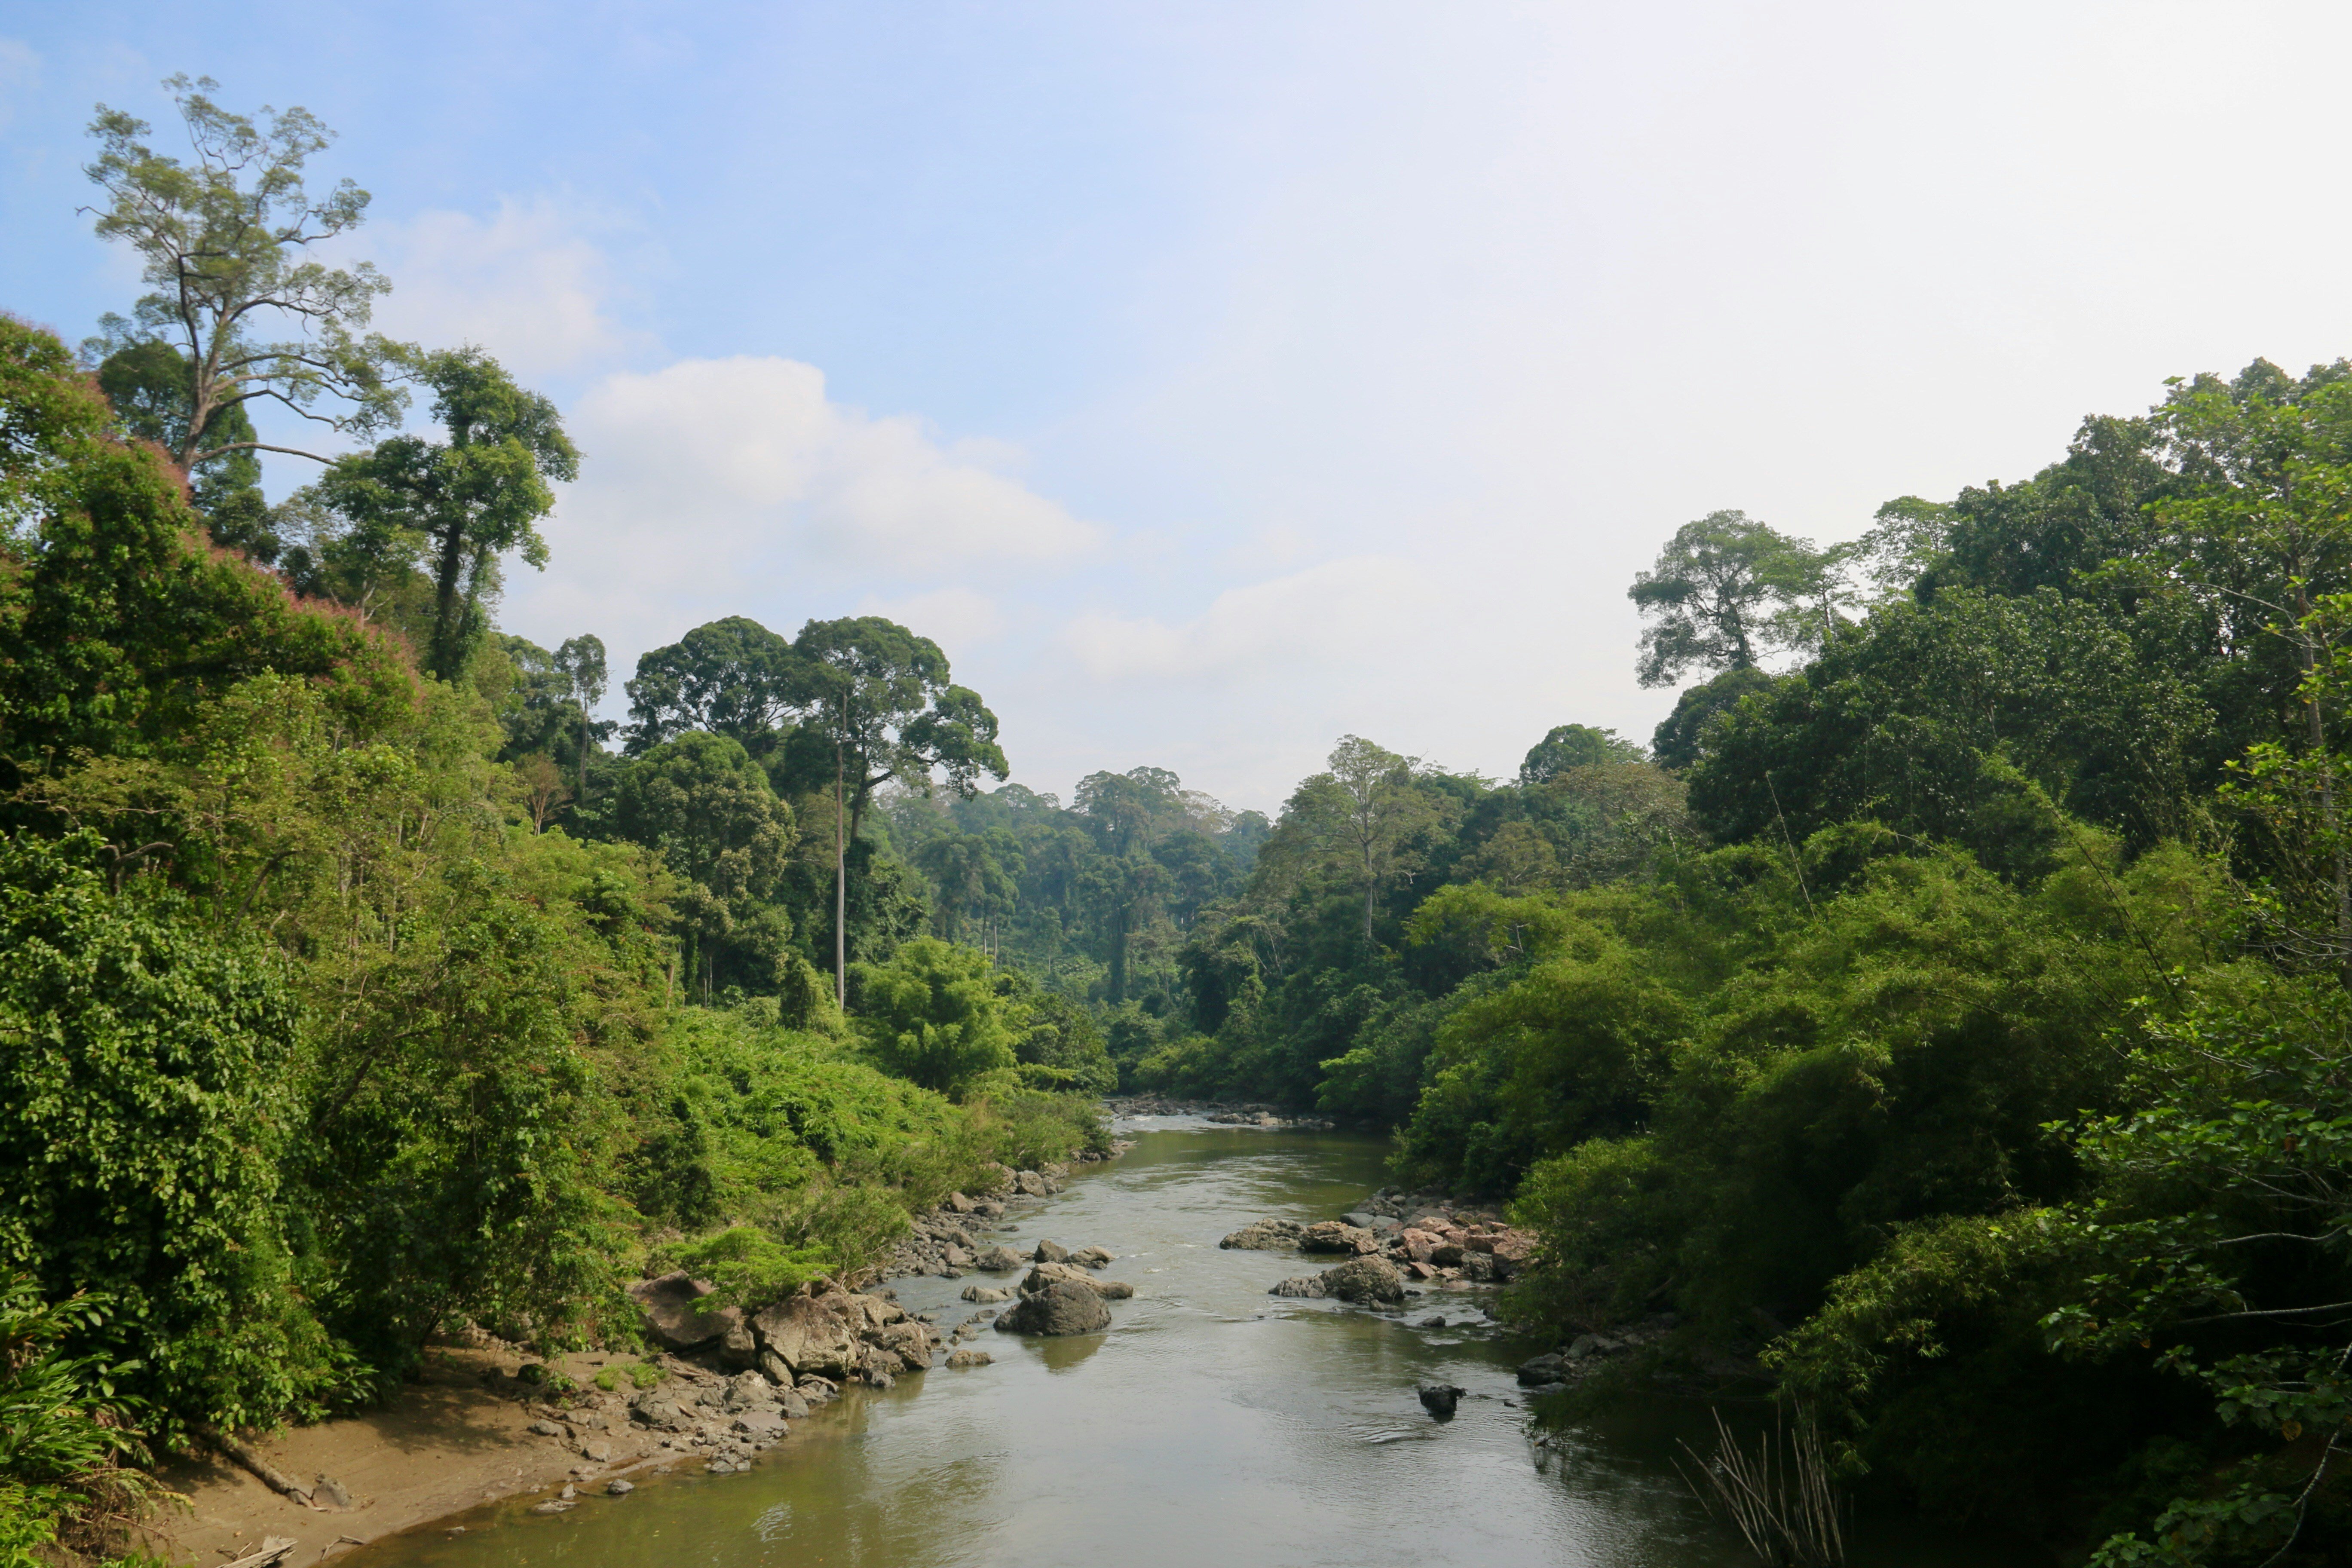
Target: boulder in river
(675, 1319)
(1050, 1252)
(963, 1358)
(808, 1334)
(1265, 1236)
(1364, 1279)
(1046, 1274)
(1093, 1256)
(1063, 1307)
(1337, 1235)
(983, 1295)
(1439, 1399)
(1305, 1285)
(996, 1260)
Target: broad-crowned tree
(225, 242)
(732, 676)
(1713, 597)
(881, 698)
(1569, 746)
(464, 502)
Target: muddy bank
(470, 1431)
(460, 1436)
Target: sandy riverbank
(450, 1441)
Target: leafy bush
(747, 1267)
(145, 1091)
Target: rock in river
(1046, 1274)
(1337, 1235)
(1265, 1236)
(985, 1295)
(996, 1260)
(1364, 1279)
(1309, 1286)
(1063, 1307)
(1439, 1399)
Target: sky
(1213, 380)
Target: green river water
(1211, 1424)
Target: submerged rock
(959, 1360)
(1305, 1285)
(985, 1295)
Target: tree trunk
(840, 891)
(446, 609)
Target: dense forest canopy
(1943, 1015)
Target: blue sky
(1213, 380)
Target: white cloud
(957, 617)
(734, 486)
(1340, 612)
(525, 283)
(752, 455)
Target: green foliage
(457, 506)
(747, 1267)
(224, 243)
(932, 1013)
(146, 1086)
(1575, 746)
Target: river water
(1212, 1425)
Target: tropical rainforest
(1942, 1015)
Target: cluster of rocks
(1580, 1355)
(946, 1241)
(1219, 1111)
(1421, 1239)
(729, 1418)
(810, 1341)
(1367, 1281)
(1060, 1296)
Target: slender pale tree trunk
(840, 890)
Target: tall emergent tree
(581, 661)
(466, 501)
(224, 241)
(732, 676)
(1721, 596)
(1364, 817)
(881, 698)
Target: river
(1212, 1425)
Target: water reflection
(1211, 1424)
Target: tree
(1365, 815)
(933, 1015)
(976, 874)
(223, 255)
(144, 1093)
(733, 677)
(1714, 590)
(708, 808)
(114, 619)
(1675, 744)
(881, 698)
(581, 661)
(146, 382)
(1575, 746)
(464, 502)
